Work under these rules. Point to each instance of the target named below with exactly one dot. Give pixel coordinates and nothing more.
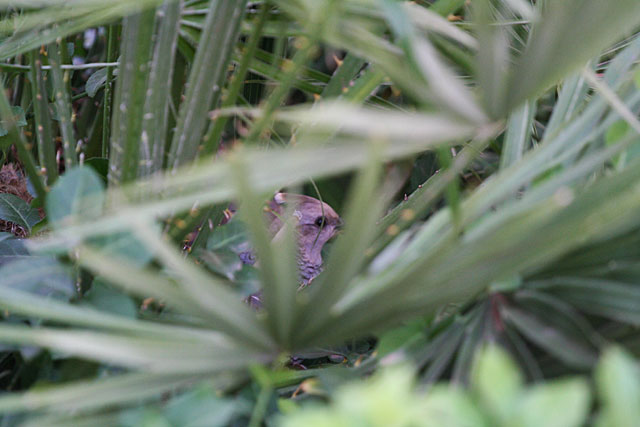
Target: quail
(316, 224)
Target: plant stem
(43, 124)
(63, 103)
(111, 41)
(212, 139)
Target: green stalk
(208, 73)
(212, 139)
(156, 111)
(63, 103)
(111, 42)
(131, 93)
(43, 124)
(23, 147)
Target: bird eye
(320, 221)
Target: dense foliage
(484, 156)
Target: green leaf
(572, 350)
(16, 210)
(611, 299)
(124, 245)
(221, 261)
(450, 407)
(400, 337)
(616, 132)
(232, 235)
(562, 403)
(92, 394)
(38, 275)
(561, 43)
(496, 382)
(95, 82)
(203, 407)
(105, 298)
(518, 135)
(78, 195)
(186, 354)
(11, 249)
(19, 117)
(278, 270)
(100, 165)
(618, 381)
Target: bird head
(316, 223)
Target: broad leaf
(11, 248)
(39, 275)
(95, 82)
(618, 380)
(78, 195)
(16, 210)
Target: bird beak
(339, 226)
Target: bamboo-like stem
(63, 103)
(111, 41)
(156, 109)
(43, 124)
(208, 72)
(212, 139)
(131, 93)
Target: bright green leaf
(618, 380)
(562, 403)
(496, 381)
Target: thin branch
(18, 67)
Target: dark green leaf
(107, 299)
(400, 337)
(16, 210)
(39, 275)
(95, 82)
(11, 249)
(571, 350)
